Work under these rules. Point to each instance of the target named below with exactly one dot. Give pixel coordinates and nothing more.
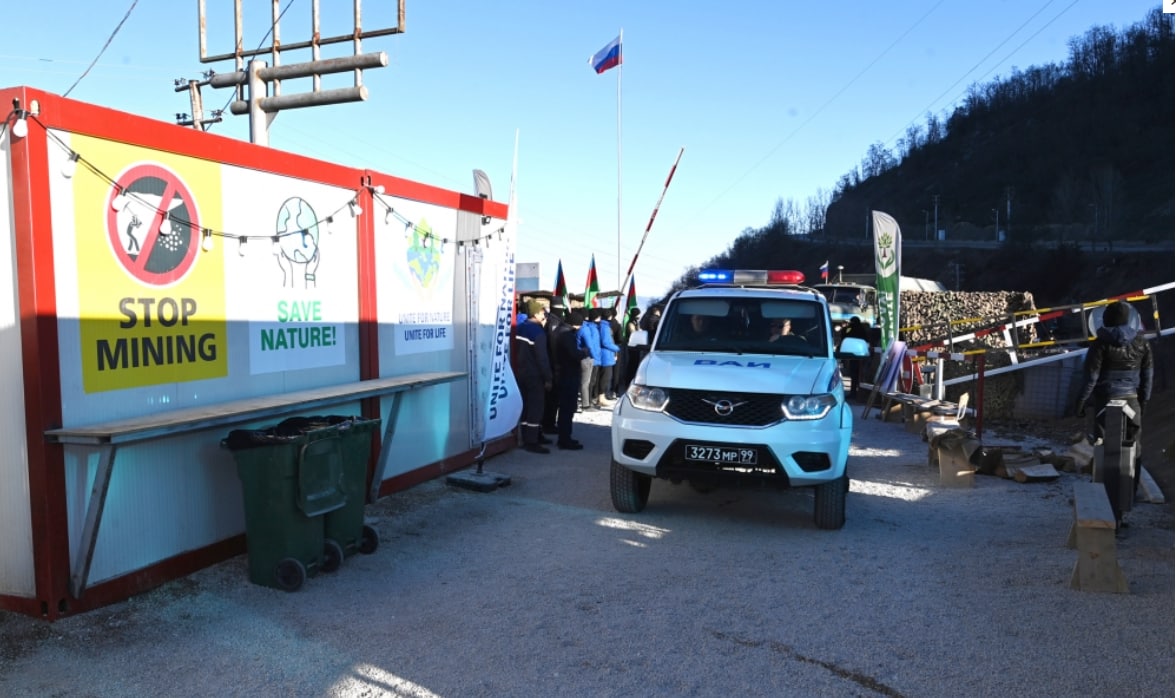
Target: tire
(369, 540)
(630, 490)
(332, 555)
(289, 574)
(829, 503)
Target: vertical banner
(888, 266)
(503, 402)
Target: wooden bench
(1093, 534)
(108, 436)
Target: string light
(70, 167)
(169, 223)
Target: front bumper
(788, 454)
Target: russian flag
(825, 271)
(607, 57)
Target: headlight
(802, 407)
(646, 398)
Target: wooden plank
(234, 412)
(1092, 509)
(1036, 473)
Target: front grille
(745, 409)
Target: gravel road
(542, 589)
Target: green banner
(888, 265)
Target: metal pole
(621, 44)
(649, 226)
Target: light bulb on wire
(70, 167)
(20, 129)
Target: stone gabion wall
(936, 315)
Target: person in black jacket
(1118, 366)
(853, 367)
(569, 355)
(555, 320)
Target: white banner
(503, 402)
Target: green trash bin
(345, 525)
(292, 476)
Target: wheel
(369, 541)
(829, 503)
(332, 555)
(630, 490)
(289, 574)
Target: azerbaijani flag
(825, 271)
(592, 287)
(607, 57)
(561, 286)
(630, 304)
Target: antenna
(253, 77)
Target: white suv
(741, 385)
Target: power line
(821, 108)
(104, 47)
(988, 55)
(259, 43)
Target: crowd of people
(573, 360)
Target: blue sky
(769, 100)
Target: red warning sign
(152, 224)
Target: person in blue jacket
(588, 339)
(608, 359)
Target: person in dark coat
(853, 367)
(555, 322)
(569, 355)
(534, 374)
(1118, 366)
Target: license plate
(721, 454)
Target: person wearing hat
(556, 322)
(589, 339)
(602, 386)
(1118, 366)
(569, 355)
(534, 374)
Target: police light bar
(752, 277)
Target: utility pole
(1008, 208)
(926, 223)
(996, 231)
(196, 118)
(935, 199)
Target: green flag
(888, 265)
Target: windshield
(848, 295)
(745, 325)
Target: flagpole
(621, 42)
